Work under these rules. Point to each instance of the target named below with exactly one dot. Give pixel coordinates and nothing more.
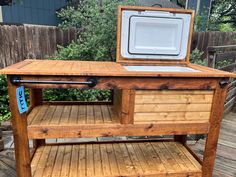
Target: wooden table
(145, 103)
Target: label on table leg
(21, 102)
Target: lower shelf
(115, 159)
(71, 121)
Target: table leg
(213, 135)
(36, 98)
(21, 142)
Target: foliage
(96, 24)
(196, 57)
(223, 15)
(199, 23)
(4, 106)
(76, 95)
(223, 63)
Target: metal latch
(223, 83)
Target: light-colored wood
(174, 99)
(57, 167)
(47, 171)
(36, 99)
(138, 129)
(42, 161)
(171, 117)
(119, 57)
(174, 92)
(172, 106)
(118, 159)
(54, 121)
(35, 160)
(96, 68)
(71, 115)
(124, 105)
(74, 161)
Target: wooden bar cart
(147, 101)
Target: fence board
(201, 40)
(21, 42)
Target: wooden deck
(225, 161)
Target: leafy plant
(196, 57)
(96, 25)
(4, 99)
(76, 95)
(223, 12)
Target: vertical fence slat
(2, 53)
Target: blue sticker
(20, 97)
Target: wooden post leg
(213, 135)
(36, 98)
(127, 106)
(21, 142)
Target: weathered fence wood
(201, 40)
(21, 42)
(219, 53)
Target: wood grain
(58, 121)
(96, 68)
(19, 126)
(117, 159)
(213, 135)
(124, 105)
(171, 106)
(36, 99)
(132, 83)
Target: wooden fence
(201, 40)
(20, 42)
(217, 54)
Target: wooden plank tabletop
(96, 68)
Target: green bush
(4, 99)
(76, 95)
(96, 25)
(196, 57)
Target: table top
(98, 68)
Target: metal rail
(91, 82)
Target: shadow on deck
(225, 165)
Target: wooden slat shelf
(72, 114)
(115, 159)
(71, 121)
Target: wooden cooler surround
(144, 104)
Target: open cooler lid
(153, 35)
